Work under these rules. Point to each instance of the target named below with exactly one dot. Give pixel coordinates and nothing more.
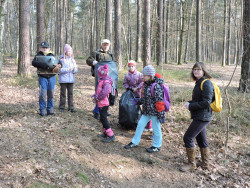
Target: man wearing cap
(102, 54)
(47, 80)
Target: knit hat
(132, 62)
(149, 70)
(103, 71)
(66, 48)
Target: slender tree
(146, 44)
(97, 22)
(197, 30)
(139, 32)
(224, 34)
(117, 49)
(182, 26)
(40, 23)
(167, 33)
(229, 32)
(24, 38)
(108, 19)
(159, 33)
(245, 66)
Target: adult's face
(105, 47)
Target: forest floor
(64, 150)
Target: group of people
(153, 107)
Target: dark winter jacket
(148, 101)
(42, 68)
(200, 105)
(99, 56)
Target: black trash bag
(129, 114)
(113, 73)
(50, 61)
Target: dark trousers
(103, 117)
(69, 88)
(197, 129)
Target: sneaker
(97, 116)
(148, 130)
(130, 145)
(153, 149)
(109, 139)
(42, 114)
(103, 135)
(73, 110)
(61, 110)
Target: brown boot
(205, 158)
(191, 160)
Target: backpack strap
(202, 84)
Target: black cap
(45, 45)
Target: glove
(135, 100)
(187, 105)
(162, 120)
(94, 62)
(160, 106)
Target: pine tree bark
(245, 66)
(117, 49)
(197, 30)
(24, 38)
(146, 45)
(224, 34)
(108, 19)
(97, 22)
(182, 26)
(40, 23)
(167, 34)
(159, 33)
(229, 32)
(139, 32)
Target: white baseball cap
(105, 41)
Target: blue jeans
(157, 138)
(46, 93)
(197, 129)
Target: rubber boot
(205, 157)
(191, 160)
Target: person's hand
(135, 100)
(94, 62)
(162, 120)
(56, 69)
(187, 105)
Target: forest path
(64, 151)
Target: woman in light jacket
(67, 78)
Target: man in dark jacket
(100, 55)
(47, 79)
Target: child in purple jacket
(133, 79)
(101, 99)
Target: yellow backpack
(216, 105)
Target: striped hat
(149, 70)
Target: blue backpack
(166, 97)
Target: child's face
(69, 53)
(131, 68)
(146, 78)
(44, 50)
(105, 47)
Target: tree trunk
(117, 49)
(167, 35)
(139, 32)
(146, 45)
(188, 33)
(182, 26)
(159, 33)
(40, 23)
(24, 38)
(229, 32)
(97, 27)
(108, 19)
(245, 66)
(197, 30)
(224, 34)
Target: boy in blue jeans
(47, 80)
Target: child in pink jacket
(101, 98)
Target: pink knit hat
(66, 48)
(103, 71)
